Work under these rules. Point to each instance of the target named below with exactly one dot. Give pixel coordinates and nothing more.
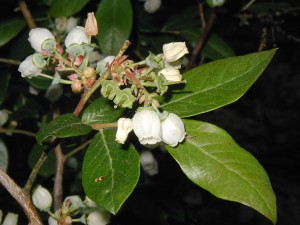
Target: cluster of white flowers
(72, 205)
(152, 127)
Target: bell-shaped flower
(152, 6)
(41, 38)
(98, 218)
(174, 51)
(91, 27)
(74, 203)
(147, 127)
(149, 163)
(28, 69)
(10, 219)
(124, 127)
(76, 36)
(172, 130)
(171, 75)
(42, 198)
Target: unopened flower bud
(28, 69)
(152, 6)
(10, 219)
(147, 127)
(73, 203)
(172, 130)
(89, 72)
(42, 198)
(98, 218)
(89, 202)
(149, 163)
(91, 27)
(125, 125)
(76, 36)
(171, 75)
(174, 51)
(38, 36)
(77, 86)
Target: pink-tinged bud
(77, 86)
(59, 49)
(91, 27)
(73, 77)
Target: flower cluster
(152, 127)
(92, 214)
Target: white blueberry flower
(174, 51)
(28, 69)
(76, 203)
(89, 202)
(147, 127)
(172, 130)
(37, 37)
(149, 163)
(42, 198)
(152, 6)
(10, 219)
(76, 36)
(98, 218)
(171, 75)
(125, 125)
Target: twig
(85, 97)
(202, 16)
(104, 125)
(27, 14)
(248, 5)
(21, 197)
(10, 61)
(58, 181)
(201, 40)
(16, 131)
(79, 148)
(263, 39)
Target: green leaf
(9, 29)
(63, 126)
(3, 156)
(116, 168)
(100, 111)
(66, 7)
(218, 83)
(4, 80)
(217, 48)
(115, 22)
(213, 161)
(48, 168)
(39, 82)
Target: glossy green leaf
(213, 161)
(115, 22)
(3, 156)
(217, 48)
(9, 29)
(218, 83)
(110, 171)
(49, 166)
(63, 126)
(100, 111)
(66, 7)
(4, 80)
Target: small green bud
(160, 82)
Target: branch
(27, 14)
(21, 197)
(10, 61)
(201, 40)
(58, 181)
(16, 131)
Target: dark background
(265, 121)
